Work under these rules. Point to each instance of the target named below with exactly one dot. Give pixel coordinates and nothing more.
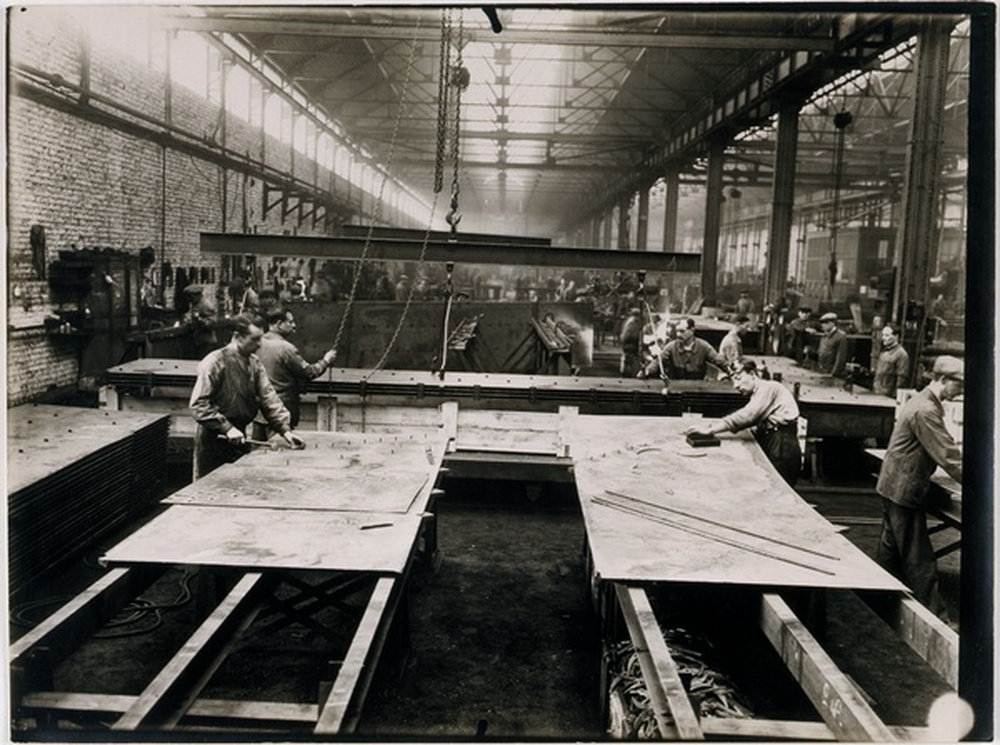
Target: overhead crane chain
(381, 191)
(460, 80)
(442, 113)
(446, 79)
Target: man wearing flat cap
(919, 443)
(831, 356)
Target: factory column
(606, 242)
(642, 229)
(782, 202)
(672, 180)
(917, 238)
(713, 214)
(624, 227)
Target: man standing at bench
(919, 443)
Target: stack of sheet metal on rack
(73, 475)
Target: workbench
(342, 518)
(832, 408)
(348, 398)
(660, 513)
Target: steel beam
(352, 249)
(553, 37)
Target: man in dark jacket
(919, 443)
(285, 367)
(686, 357)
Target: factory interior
(395, 372)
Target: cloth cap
(949, 367)
(828, 317)
(194, 289)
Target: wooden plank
(223, 709)
(663, 681)
(350, 687)
(386, 419)
(925, 633)
(765, 729)
(507, 431)
(189, 670)
(838, 701)
(74, 622)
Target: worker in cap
(831, 355)
(796, 333)
(920, 442)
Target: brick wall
(90, 185)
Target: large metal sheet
(335, 471)
(261, 539)
(382, 490)
(722, 491)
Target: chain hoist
(460, 80)
(444, 70)
(377, 211)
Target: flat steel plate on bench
(260, 539)
(657, 509)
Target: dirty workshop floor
(504, 642)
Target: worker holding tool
(285, 366)
(684, 358)
(230, 388)
(771, 411)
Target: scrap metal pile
(712, 694)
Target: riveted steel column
(917, 241)
(624, 223)
(608, 216)
(782, 203)
(672, 180)
(713, 215)
(642, 232)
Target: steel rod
(703, 533)
(723, 525)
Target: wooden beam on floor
(77, 620)
(340, 710)
(227, 710)
(166, 699)
(838, 701)
(925, 633)
(675, 716)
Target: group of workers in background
(919, 443)
(254, 381)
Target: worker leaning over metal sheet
(285, 366)
(919, 443)
(684, 358)
(771, 411)
(231, 387)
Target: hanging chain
(355, 280)
(444, 69)
(460, 80)
(412, 292)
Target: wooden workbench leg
(326, 414)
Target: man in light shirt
(772, 413)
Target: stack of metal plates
(73, 475)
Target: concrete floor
(504, 641)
